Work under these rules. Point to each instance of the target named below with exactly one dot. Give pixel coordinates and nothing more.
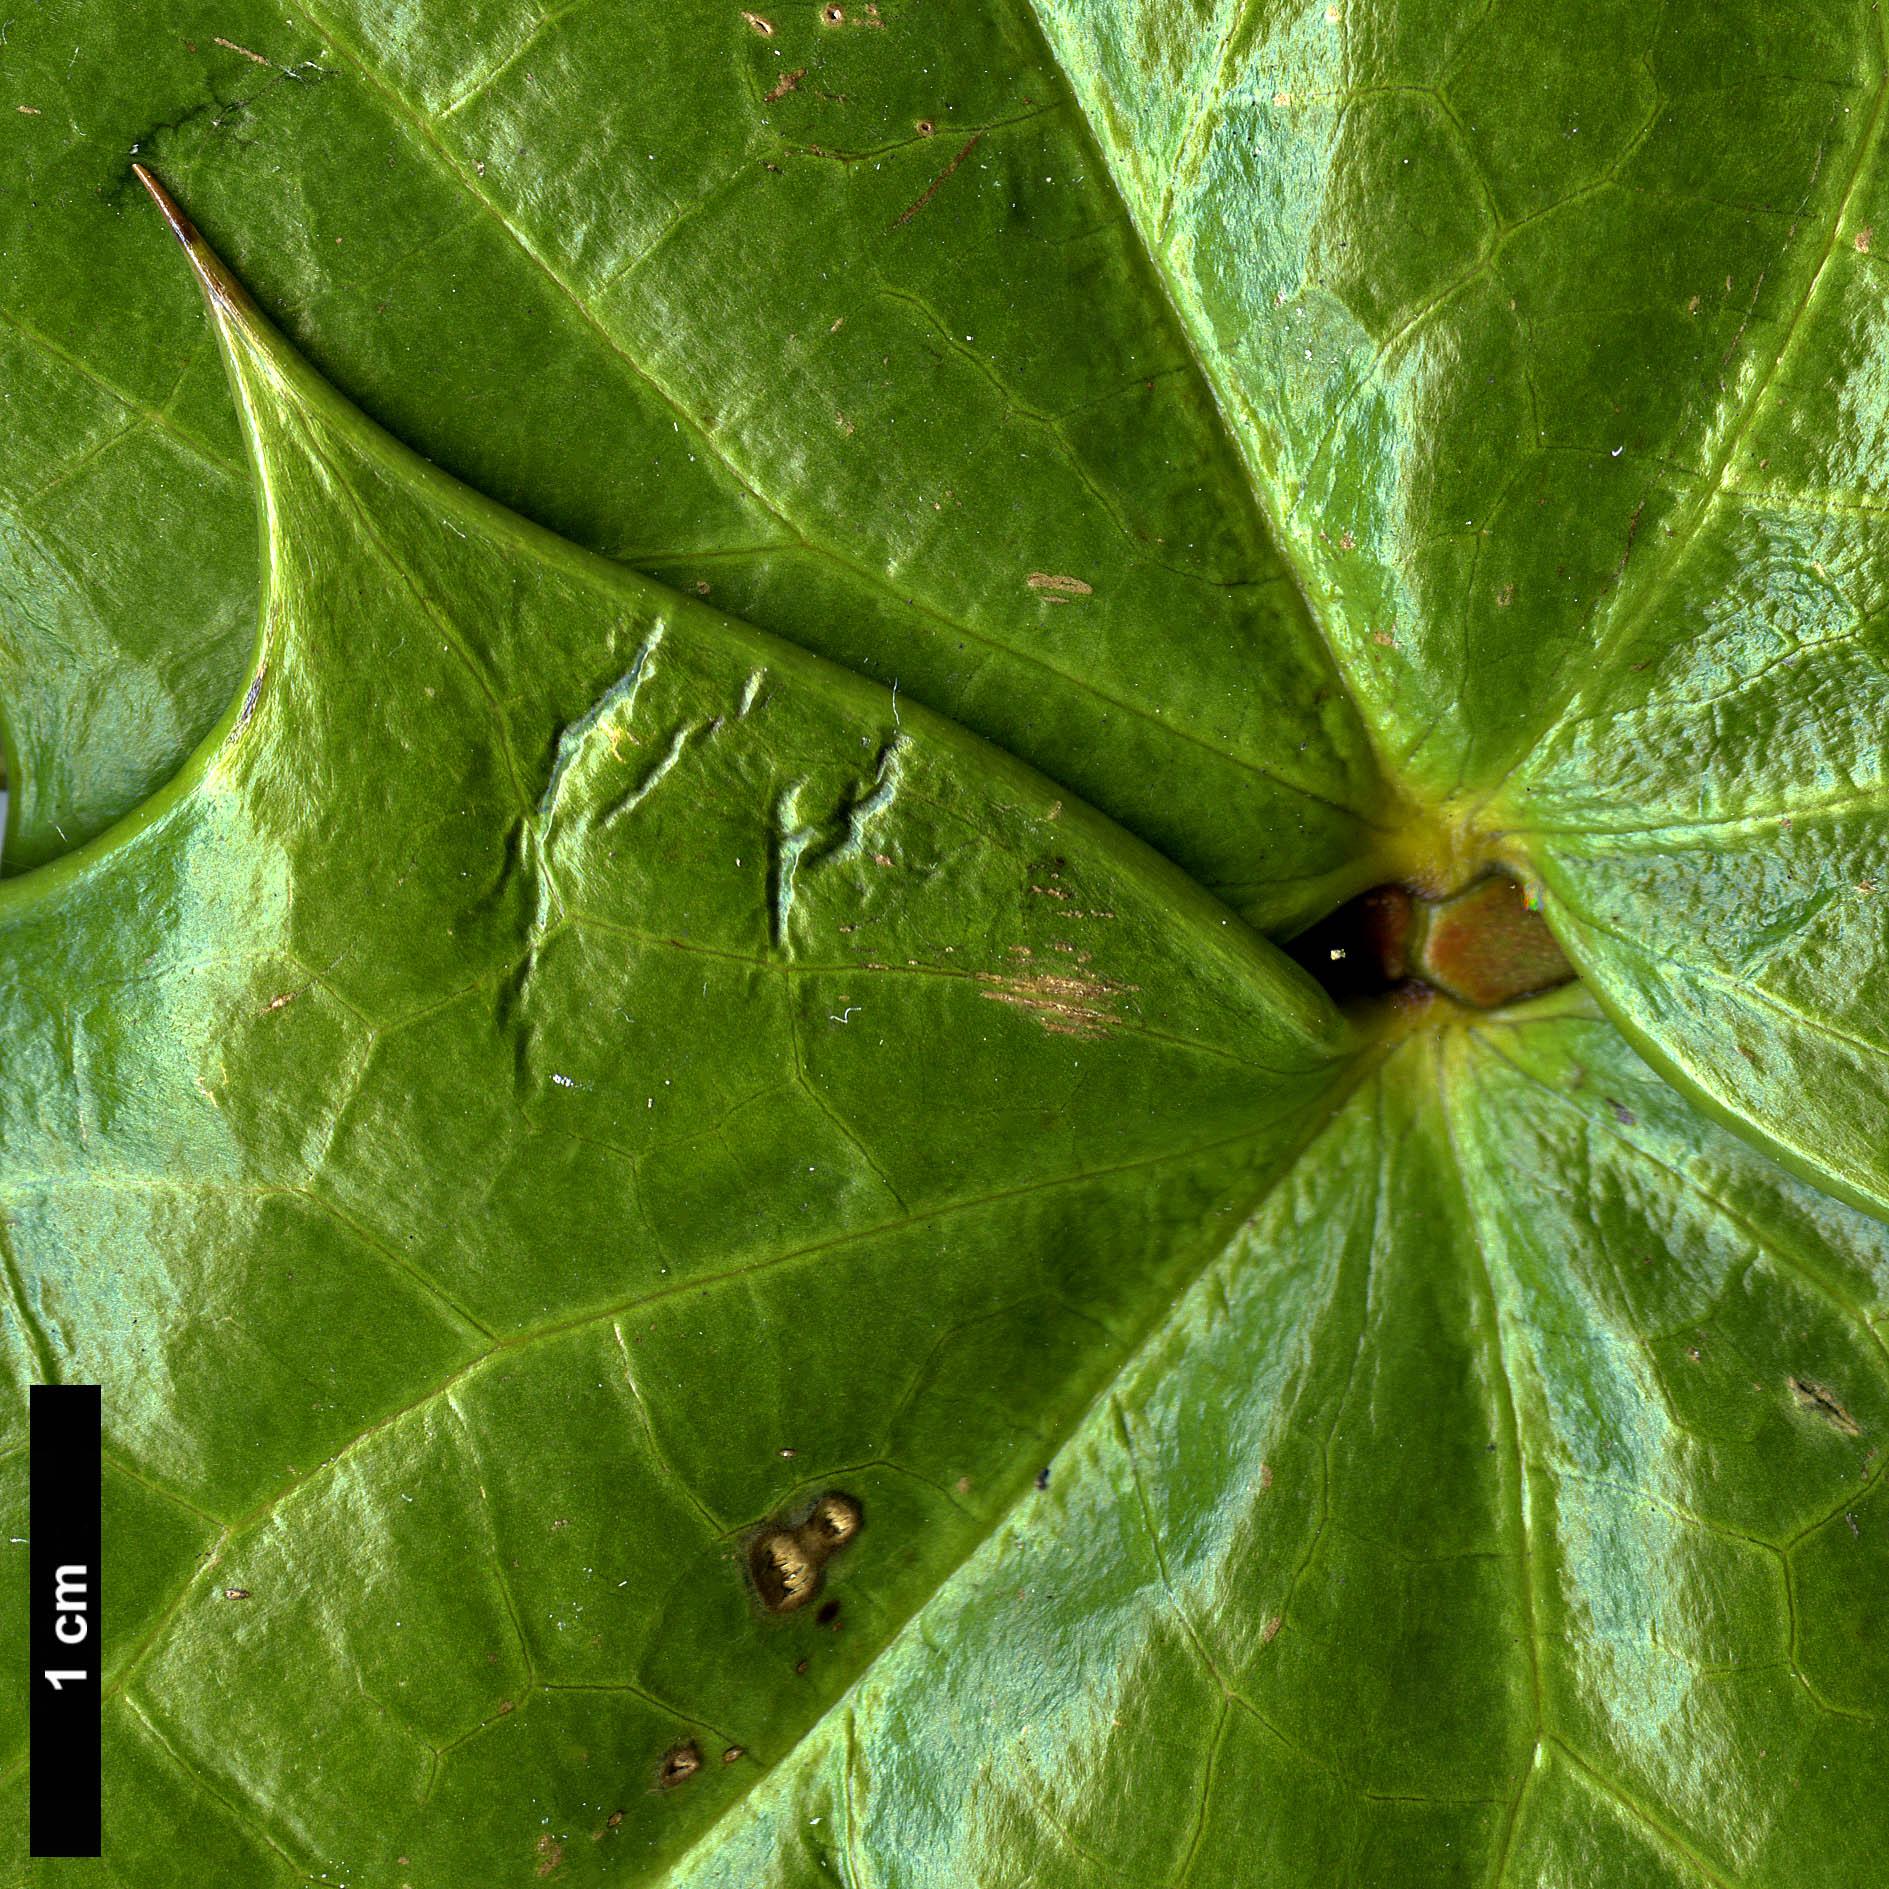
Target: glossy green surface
(562, 1075)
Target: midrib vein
(1240, 432)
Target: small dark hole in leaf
(1355, 951)
(926, 127)
(828, 1613)
(679, 1764)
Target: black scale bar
(64, 1615)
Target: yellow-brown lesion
(786, 1559)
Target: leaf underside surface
(699, 931)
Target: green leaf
(560, 1026)
(554, 1048)
(897, 429)
(1437, 1537)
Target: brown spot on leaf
(550, 1855)
(733, 1753)
(787, 83)
(764, 27)
(1045, 580)
(1863, 237)
(833, 1522)
(679, 1764)
(784, 1573)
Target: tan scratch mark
(1823, 1401)
(1044, 580)
(32, 111)
(931, 189)
(762, 26)
(1064, 1005)
(232, 46)
(1863, 237)
(1271, 1628)
(276, 1003)
(787, 84)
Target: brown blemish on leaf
(679, 1764)
(236, 1593)
(1045, 580)
(1270, 1629)
(925, 129)
(1863, 238)
(230, 45)
(614, 1818)
(833, 1522)
(788, 82)
(931, 189)
(833, 16)
(828, 1614)
(785, 1573)
(1824, 1401)
(764, 27)
(734, 1753)
(1063, 1004)
(550, 1854)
